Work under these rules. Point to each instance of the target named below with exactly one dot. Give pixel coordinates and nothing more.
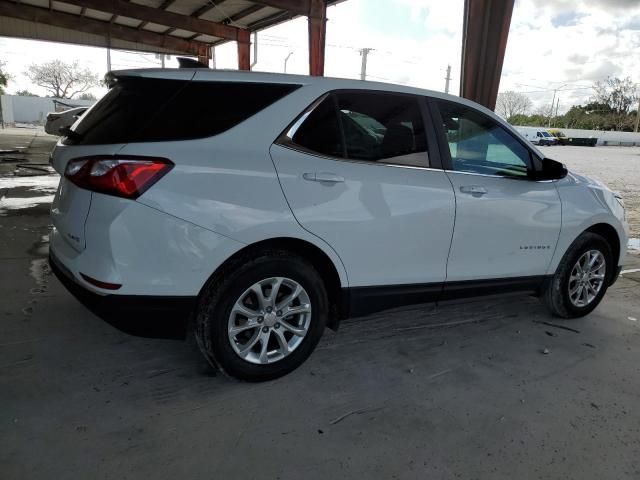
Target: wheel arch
(320, 260)
(609, 233)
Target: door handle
(327, 177)
(475, 190)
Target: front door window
(478, 144)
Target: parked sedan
(57, 120)
(267, 207)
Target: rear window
(154, 110)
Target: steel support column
(205, 55)
(244, 50)
(484, 41)
(317, 36)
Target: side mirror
(551, 170)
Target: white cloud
(570, 44)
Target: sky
(554, 45)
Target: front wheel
(264, 318)
(581, 279)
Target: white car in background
(59, 120)
(266, 207)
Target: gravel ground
(617, 167)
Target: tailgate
(71, 204)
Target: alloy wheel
(269, 320)
(587, 278)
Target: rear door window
(153, 110)
(380, 127)
(383, 127)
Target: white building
(18, 109)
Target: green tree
(25, 93)
(4, 77)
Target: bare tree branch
(511, 103)
(61, 79)
(619, 95)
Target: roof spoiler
(184, 62)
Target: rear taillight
(126, 176)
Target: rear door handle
(473, 189)
(327, 177)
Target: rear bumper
(149, 316)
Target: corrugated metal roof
(103, 25)
(11, 27)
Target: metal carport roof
(171, 26)
(192, 26)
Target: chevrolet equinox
(267, 207)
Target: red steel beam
(204, 57)
(98, 27)
(484, 41)
(207, 7)
(166, 4)
(317, 36)
(235, 17)
(244, 50)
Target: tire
(556, 294)
(219, 301)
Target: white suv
(267, 207)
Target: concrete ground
(461, 390)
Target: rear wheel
(581, 279)
(264, 318)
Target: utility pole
(551, 112)
(637, 117)
(448, 79)
(555, 90)
(363, 69)
(556, 115)
(286, 60)
(108, 53)
(160, 56)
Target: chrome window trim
(498, 176)
(305, 114)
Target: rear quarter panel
(228, 184)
